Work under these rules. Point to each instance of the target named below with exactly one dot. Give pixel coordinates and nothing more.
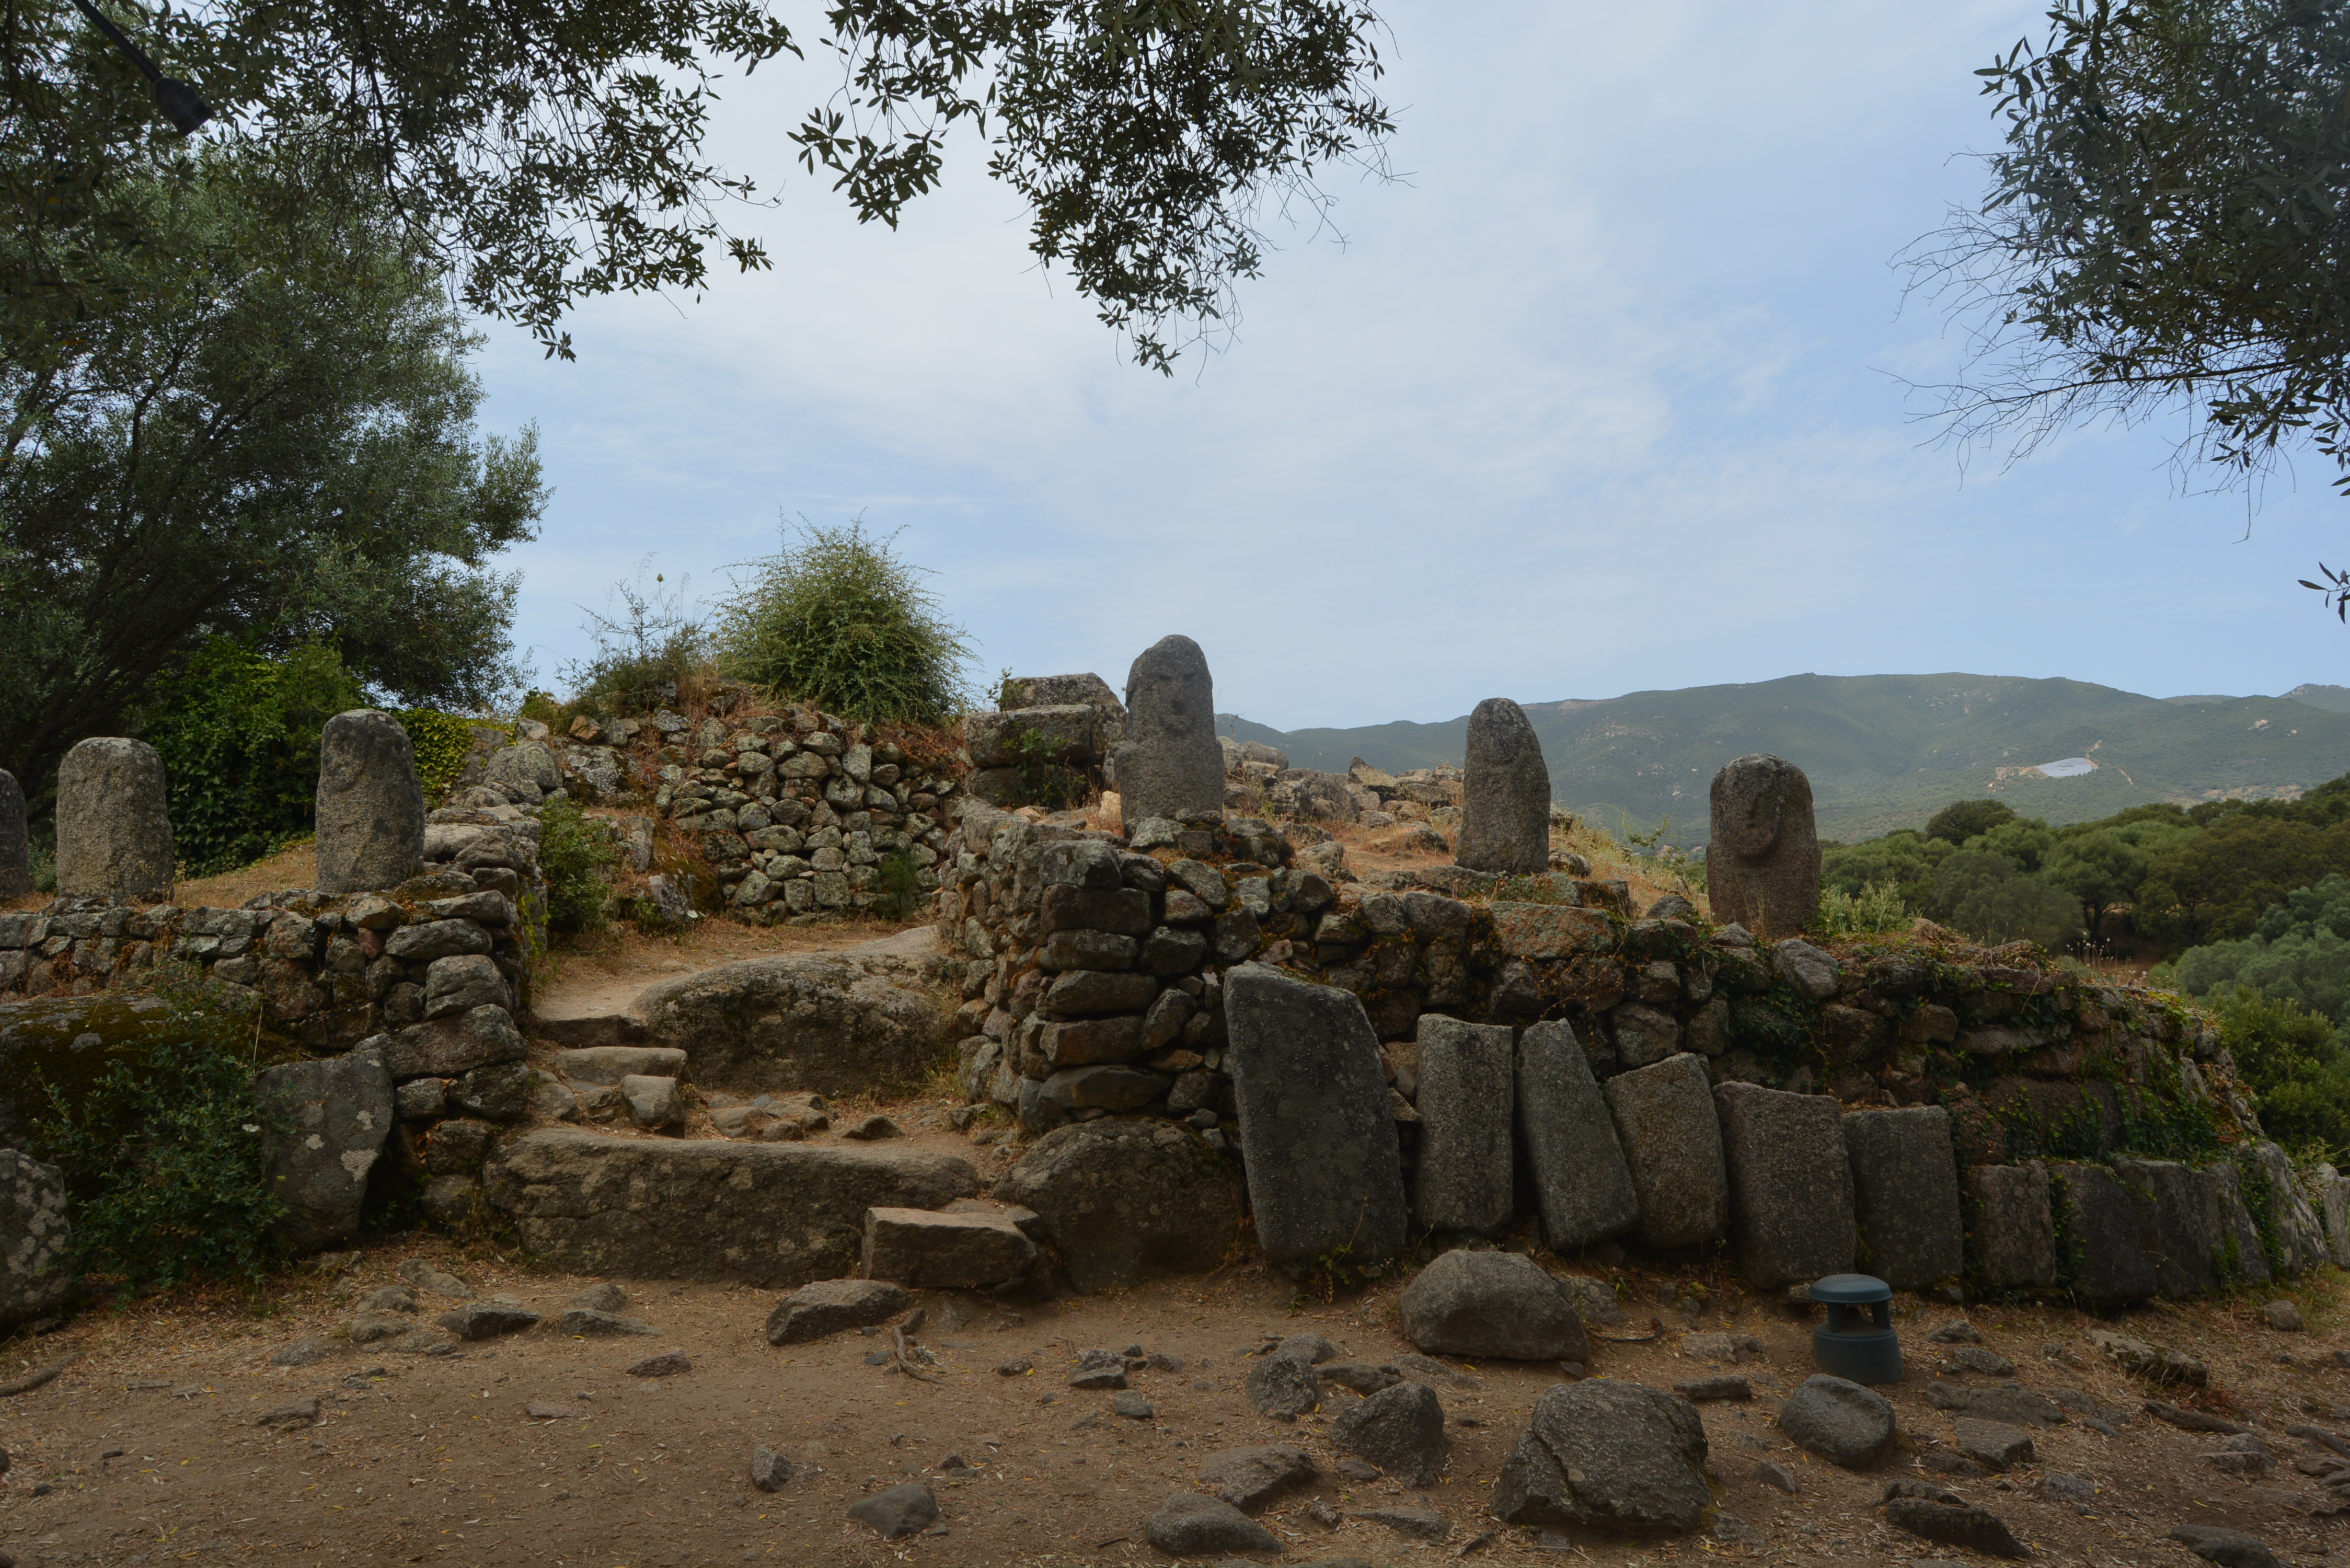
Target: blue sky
(1603, 393)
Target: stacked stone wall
(1094, 967)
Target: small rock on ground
(424, 1276)
(1772, 1473)
(906, 1510)
(1193, 1524)
(1839, 1420)
(873, 1126)
(1423, 1523)
(1099, 1369)
(1699, 1389)
(1250, 1477)
(304, 1352)
(771, 1470)
(1282, 1387)
(1399, 1429)
(2282, 1316)
(604, 1297)
(300, 1412)
(1994, 1444)
(1959, 1331)
(830, 1306)
(487, 1320)
(592, 1324)
(1132, 1406)
(1976, 1529)
(1983, 1359)
(669, 1363)
(2228, 1548)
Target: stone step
(768, 1214)
(608, 1064)
(965, 1248)
(590, 1031)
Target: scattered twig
(1472, 1544)
(31, 1380)
(904, 1360)
(1655, 1331)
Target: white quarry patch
(2070, 767)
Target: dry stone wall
(1912, 1105)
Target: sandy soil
(150, 1451)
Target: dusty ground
(151, 1452)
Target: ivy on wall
(440, 742)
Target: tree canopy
(2166, 225)
(545, 151)
(277, 449)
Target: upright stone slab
(1170, 763)
(1316, 1130)
(2098, 1254)
(114, 830)
(38, 1274)
(370, 807)
(1505, 802)
(1465, 1181)
(16, 845)
(2297, 1229)
(1905, 1195)
(2241, 1253)
(1790, 1183)
(1763, 868)
(1581, 1186)
(2181, 1223)
(1672, 1143)
(2010, 1227)
(330, 1120)
(2329, 1194)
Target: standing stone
(1581, 1186)
(1790, 1183)
(2010, 1229)
(370, 807)
(16, 845)
(1672, 1143)
(2240, 1247)
(114, 830)
(2181, 1223)
(1505, 804)
(37, 1272)
(1904, 1193)
(2330, 1196)
(1317, 1133)
(2299, 1234)
(328, 1120)
(1464, 1177)
(1763, 868)
(2098, 1252)
(1170, 763)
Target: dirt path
(149, 1451)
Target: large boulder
(371, 808)
(831, 1306)
(1491, 1305)
(838, 1026)
(1128, 1198)
(777, 1214)
(1170, 763)
(2182, 1224)
(1609, 1455)
(1583, 1189)
(37, 1273)
(1905, 1191)
(1505, 797)
(1790, 1183)
(327, 1123)
(1763, 868)
(1464, 1182)
(1672, 1143)
(452, 1046)
(2010, 1227)
(1316, 1127)
(114, 828)
(2300, 1235)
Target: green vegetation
(273, 445)
(164, 1156)
(644, 656)
(238, 733)
(577, 854)
(440, 742)
(2298, 1066)
(840, 621)
(1878, 907)
(2299, 952)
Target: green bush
(1986, 896)
(840, 621)
(2298, 1067)
(238, 733)
(163, 1157)
(1877, 907)
(1964, 819)
(576, 853)
(2298, 953)
(896, 894)
(644, 656)
(442, 742)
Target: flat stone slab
(1581, 1186)
(608, 1064)
(1905, 1190)
(921, 1250)
(777, 1214)
(1790, 1183)
(1466, 1072)
(1672, 1142)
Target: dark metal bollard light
(179, 101)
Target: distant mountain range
(1888, 751)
